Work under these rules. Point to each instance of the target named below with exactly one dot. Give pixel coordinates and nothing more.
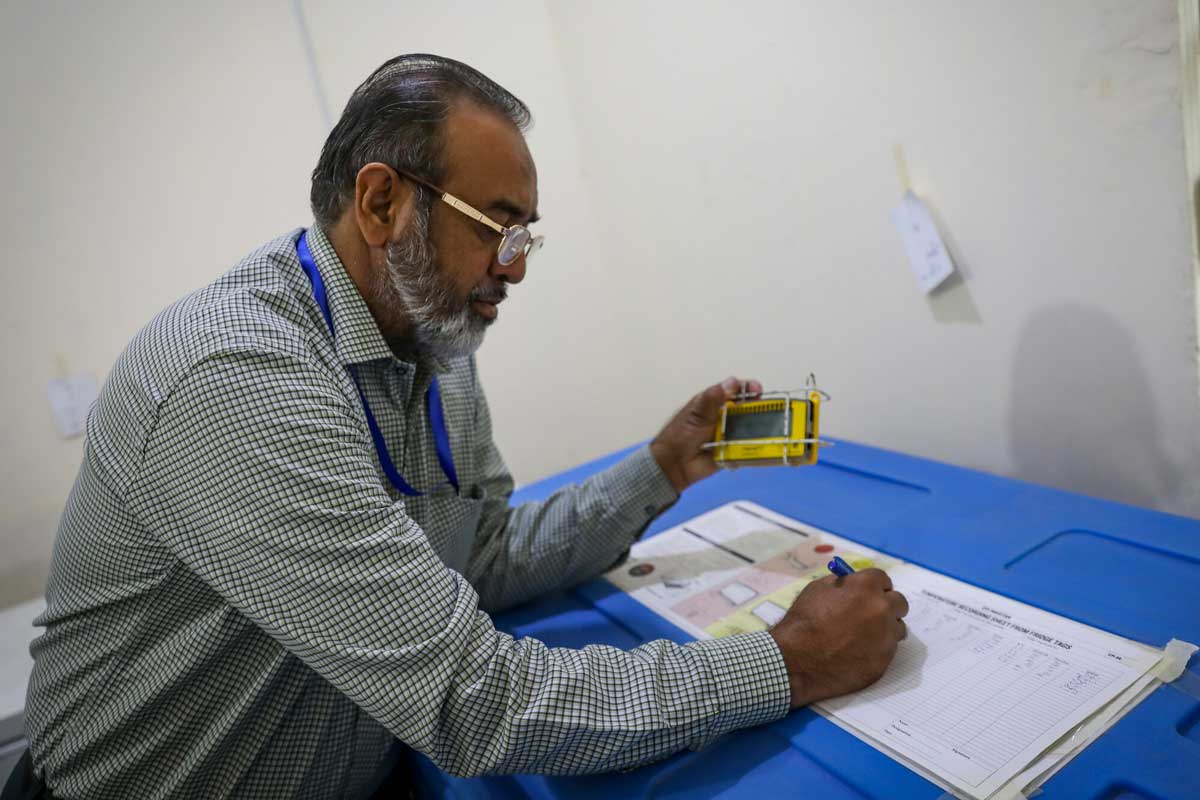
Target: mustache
(493, 294)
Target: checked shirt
(240, 605)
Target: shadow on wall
(952, 302)
(1081, 416)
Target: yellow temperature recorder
(776, 428)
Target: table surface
(1124, 569)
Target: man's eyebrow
(514, 209)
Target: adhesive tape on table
(1188, 683)
(1174, 660)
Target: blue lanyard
(433, 399)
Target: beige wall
(715, 183)
(745, 152)
(553, 364)
(145, 146)
(149, 146)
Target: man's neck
(353, 253)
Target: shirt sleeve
(259, 477)
(573, 535)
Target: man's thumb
(707, 405)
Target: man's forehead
(487, 158)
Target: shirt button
(650, 511)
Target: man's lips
(485, 308)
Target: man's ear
(383, 203)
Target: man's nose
(512, 273)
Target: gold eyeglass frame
(532, 244)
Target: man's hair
(395, 117)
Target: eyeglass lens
(515, 242)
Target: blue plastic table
(1127, 570)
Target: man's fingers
(898, 603)
(734, 386)
(877, 577)
(900, 630)
(748, 389)
(706, 405)
(705, 408)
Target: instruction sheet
(985, 693)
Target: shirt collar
(357, 336)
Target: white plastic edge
(1174, 660)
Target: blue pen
(840, 568)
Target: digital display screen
(757, 425)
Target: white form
(984, 684)
(985, 690)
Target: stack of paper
(986, 697)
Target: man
(273, 575)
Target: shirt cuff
(750, 679)
(639, 492)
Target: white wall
(146, 147)
(715, 181)
(552, 364)
(745, 153)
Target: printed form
(984, 691)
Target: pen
(840, 568)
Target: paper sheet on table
(984, 692)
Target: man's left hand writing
(677, 447)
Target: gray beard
(441, 327)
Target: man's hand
(677, 447)
(840, 634)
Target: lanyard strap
(433, 398)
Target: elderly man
(273, 575)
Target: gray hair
(395, 118)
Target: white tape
(1174, 660)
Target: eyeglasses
(515, 240)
